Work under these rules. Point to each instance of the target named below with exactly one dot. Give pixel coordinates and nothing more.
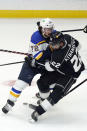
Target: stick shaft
(76, 87)
(72, 30)
(14, 52)
(12, 63)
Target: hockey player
(39, 42)
(63, 69)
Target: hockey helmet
(47, 23)
(46, 27)
(56, 38)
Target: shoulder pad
(37, 37)
(70, 38)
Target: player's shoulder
(37, 37)
(71, 39)
(67, 36)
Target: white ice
(70, 114)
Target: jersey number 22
(76, 61)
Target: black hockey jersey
(67, 60)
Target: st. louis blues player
(39, 42)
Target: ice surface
(70, 114)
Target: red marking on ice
(9, 83)
(12, 82)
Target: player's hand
(30, 61)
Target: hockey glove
(31, 61)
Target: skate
(34, 115)
(8, 106)
(40, 101)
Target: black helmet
(56, 38)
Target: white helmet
(47, 23)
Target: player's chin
(48, 35)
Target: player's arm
(55, 62)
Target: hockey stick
(84, 30)
(14, 52)
(75, 87)
(12, 63)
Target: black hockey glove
(31, 61)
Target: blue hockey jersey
(38, 44)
